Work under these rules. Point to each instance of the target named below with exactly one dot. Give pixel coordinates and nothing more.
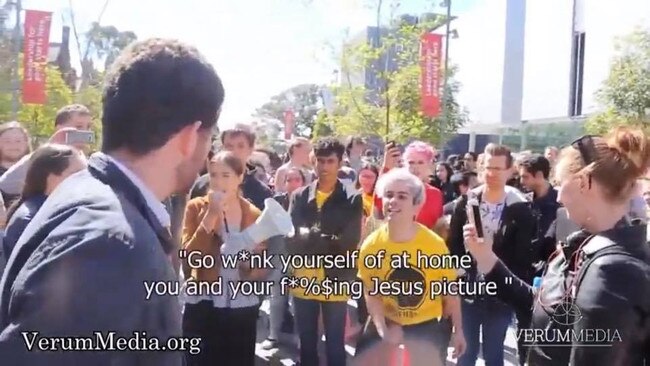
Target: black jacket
(612, 296)
(512, 242)
(338, 223)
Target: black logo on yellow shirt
(409, 298)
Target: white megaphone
(273, 221)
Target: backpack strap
(597, 247)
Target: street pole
(16, 76)
(447, 33)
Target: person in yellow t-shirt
(327, 217)
(408, 315)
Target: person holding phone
(72, 127)
(602, 275)
(508, 226)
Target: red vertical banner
(35, 49)
(430, 57)
(289, 119)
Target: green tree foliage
(106, 42)
(304, 100)
(103, 43)
(625, 94)
(91, 97)
(39, 119)
(393, 109)
(322, 127)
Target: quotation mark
(508, 280)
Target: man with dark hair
(74, 115)
(534, 173)
(331, 214)
(462, 183)
(84, 264)
(469, 161)
(509, 227)
(240, 140)
(69, 118)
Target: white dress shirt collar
(154, 204)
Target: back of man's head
(155, 89)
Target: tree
(103, 43)
(322, 126)
(106, 42)
(625, 94)
(39, 119)
(267, 131)
(304, 100)
(392, 108)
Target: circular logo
(566, 314)
(408, 276)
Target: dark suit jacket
(79, 268)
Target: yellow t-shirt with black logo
(402, 309)
(317, 273)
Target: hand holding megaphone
(273, 221)
(216, 202)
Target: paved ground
(288, 355)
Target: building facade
(536, 65)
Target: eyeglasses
(587, 148)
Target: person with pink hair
(420, 158)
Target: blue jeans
(307, 314)
(494, 317)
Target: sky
(262, 47)
(258, 47)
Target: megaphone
(273, 221)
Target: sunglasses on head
(587, 148)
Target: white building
(515, 56)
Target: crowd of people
(85, 231)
